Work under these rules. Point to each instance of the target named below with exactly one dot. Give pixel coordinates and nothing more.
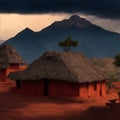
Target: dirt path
(14, 106)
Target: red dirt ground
(15, 106)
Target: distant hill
(108, 66)
(94, 41)
(105, 63)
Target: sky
(16, 15)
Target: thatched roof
(9, 55)
(70, 66)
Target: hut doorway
(46, 87)
(18, 84)
(2, 75)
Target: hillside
(1, 41)
(94, 41)
(107, 65)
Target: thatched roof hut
(69, 66)
(8, 55)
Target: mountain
(94, 41)
(1, 41)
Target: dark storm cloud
(101, 8)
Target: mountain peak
(27, 29)
(74, 20)
(74, 17)
(78, 21)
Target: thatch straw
(9, 55)
(70, 66)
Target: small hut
(10, 61)
(61, 74)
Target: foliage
(68, 43)
(112, 79)
(117, 60)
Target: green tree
(117, 60)
(68, 43)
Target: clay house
(10, 61)
(61, 74)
